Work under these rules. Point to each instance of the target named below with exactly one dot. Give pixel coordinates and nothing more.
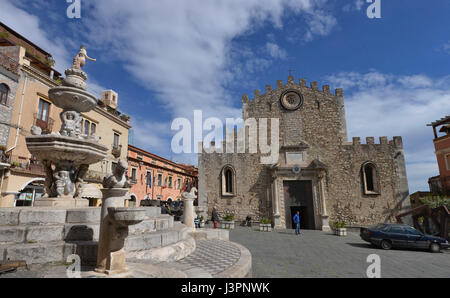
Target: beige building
(21, 175)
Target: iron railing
(25, 165)
(46, 126)
(116, 150)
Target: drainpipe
(20, 116)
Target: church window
(370, 178)
(4, 92)
(228, 181)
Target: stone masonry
(9, 77)
(316, 131)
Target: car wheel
(435, 247)
(385, 244)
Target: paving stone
(319, 254)
(213, 256)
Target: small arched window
(4, 92)
(228, 181)
(369, 176)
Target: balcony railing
(95, 176)
(116, 150)
(9, 63)
(46, 126)
(25, 165)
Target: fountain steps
(24, 236)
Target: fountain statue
(67, 154)
(115, 219)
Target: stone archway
(29, 192)
(132, 201)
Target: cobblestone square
(281, 254)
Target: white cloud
(380, 104)
(319, 23)
(275, 51)
(181, 49)
(31, 27)
(356, 5)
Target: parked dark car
(389, 236)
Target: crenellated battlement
(396, 141)
(290, 83)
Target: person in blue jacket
(297, 223)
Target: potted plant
(339, 228)
(265, 225)
(228, 222)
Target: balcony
(116, 150)
(94, 176)
(46, 126)
(26, 165)
(9, 63)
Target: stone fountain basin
(56, 147)
(72, 99)
(127, 216)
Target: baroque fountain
(67, 154)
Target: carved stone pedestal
(188, 212)
(61, 202)
(115, 219)
(325, 224)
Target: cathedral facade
(318, 171)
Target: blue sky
(166, 58)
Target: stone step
(37, 253)
(157, 239)
(75, 231)
(50, 216)
(56, 250)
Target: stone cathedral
(319, 172)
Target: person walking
(215, 217)
(297, 223)
(196, 222)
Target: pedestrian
(196, 222)
(215, 217)
(164, 209)
(248, 221)
(297, 223)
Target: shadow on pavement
(362, 245)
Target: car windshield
(378, 227)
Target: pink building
(156, 177)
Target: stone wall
(11, 80)
(319, 124)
